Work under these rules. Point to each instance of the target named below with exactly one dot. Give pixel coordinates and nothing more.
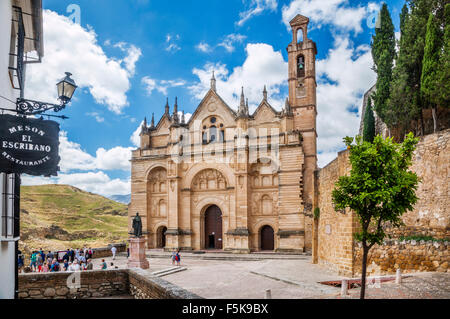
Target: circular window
(213, 120)
(204, 127)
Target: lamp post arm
(31, 107)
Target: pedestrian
(39, 261)
(81, 259)
(50, 255)
(173, 257)
(91, 253)
(45, 268)
(128, 252)
(42, 254)
(66, 265)
(55, 266)
(178, 257)
(33, 258)
(20, 262)
(74, 266)
(72, 255)
(103, 264)
(66, 255)
(89, 265)
(114, 250)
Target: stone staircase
(221, 255)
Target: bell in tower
(302, 98)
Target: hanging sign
(29, 146)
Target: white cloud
(70, 47)
(203, 47)
(263, 66)
(97, 116)
(94, 182)
(172, 46)
(161, 86)
(229, 41)
(343, 77)
(335, 12)
(135, 138)
(133, 54)
(92, 177)
(116, 158)
(74, 158)
(256, 7)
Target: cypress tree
(403, 18)
(383, 53)
(430, 66)
(405, 102)
(444, 65)
(369, 123)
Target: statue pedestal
(137, 254)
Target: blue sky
(128, 56)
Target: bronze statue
(137, 226)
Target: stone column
(173, 192)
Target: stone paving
(287, 276)
(429, 285)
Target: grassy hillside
(61, 216)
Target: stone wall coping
(172, 290)
(396, 242)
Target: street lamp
(66, 88)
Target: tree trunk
(421, 123)
(433, 111)
(363, 271)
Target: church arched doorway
(213, 228)
(161, 237)
(267, 238)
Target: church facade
(230, 180)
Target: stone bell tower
(302, 99)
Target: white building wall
(6, 89)
(7, 248)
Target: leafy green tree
(369, 123)
(379, 189)
(403, 18)
(444, 65)
(405, 103)
(430, 87)
(383, 54)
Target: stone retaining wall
(409, 256)
(337, 249)
(106, 251)
(99, 284)
(145, 286)
(92, 284)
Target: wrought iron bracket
(31, 107)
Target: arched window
(222, 135)
(212, 134)
(299, 35)
(300, 66)
(204, 138)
